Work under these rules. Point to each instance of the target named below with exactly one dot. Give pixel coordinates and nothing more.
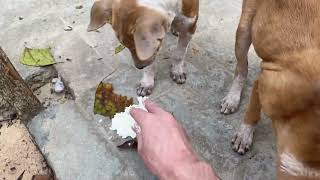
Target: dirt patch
(19, 154)
(49, 98)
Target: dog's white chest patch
(170, 8)
(291, 165)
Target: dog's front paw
(243, 139)
(178, 75)
(179, 78)
(230, 103)
(144, 90)
(174, 32)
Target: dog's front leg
(243, 138)
(243, 41)
(146, 84)
(177, 72)
(185, 27)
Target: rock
(68, 28)
(79, 7)
(58, 85)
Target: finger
(152, 107)
(137, 130)
(140, 142)
(139, 116)
(184, 133)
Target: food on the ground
(123, 121)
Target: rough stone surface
(79, 144)
(62, 128)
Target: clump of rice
(123, 122)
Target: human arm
(165, 148)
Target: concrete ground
(79, 144)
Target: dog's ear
(101, 13)
(147, 39)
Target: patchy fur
(141, 26)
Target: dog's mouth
(142, 64)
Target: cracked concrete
(79, 144)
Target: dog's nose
(140, 66)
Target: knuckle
(169, 117)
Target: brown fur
(142, 28)
(190, 8)
(125, 18)
(286, 35)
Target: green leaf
(37, 57)
(119, 48)
(107, 103)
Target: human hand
(162, 142)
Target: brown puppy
(141, 25)
(286, 35)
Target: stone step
(76, 149)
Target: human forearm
(171, 157)
(197, 170)
(189, 168)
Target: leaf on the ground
(37, 57)
(130, 144)
(21, 175)
(107, 103)
(42, 177)
(119, 48)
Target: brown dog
(286, 35)
(141, 25)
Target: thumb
(139, 116)
(152, 107)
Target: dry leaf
(21, 175)
(37, 57)
(42, 177)
(130, 144)
(107, 103)
(119, 48)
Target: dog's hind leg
(243, 138)
(243, 41)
